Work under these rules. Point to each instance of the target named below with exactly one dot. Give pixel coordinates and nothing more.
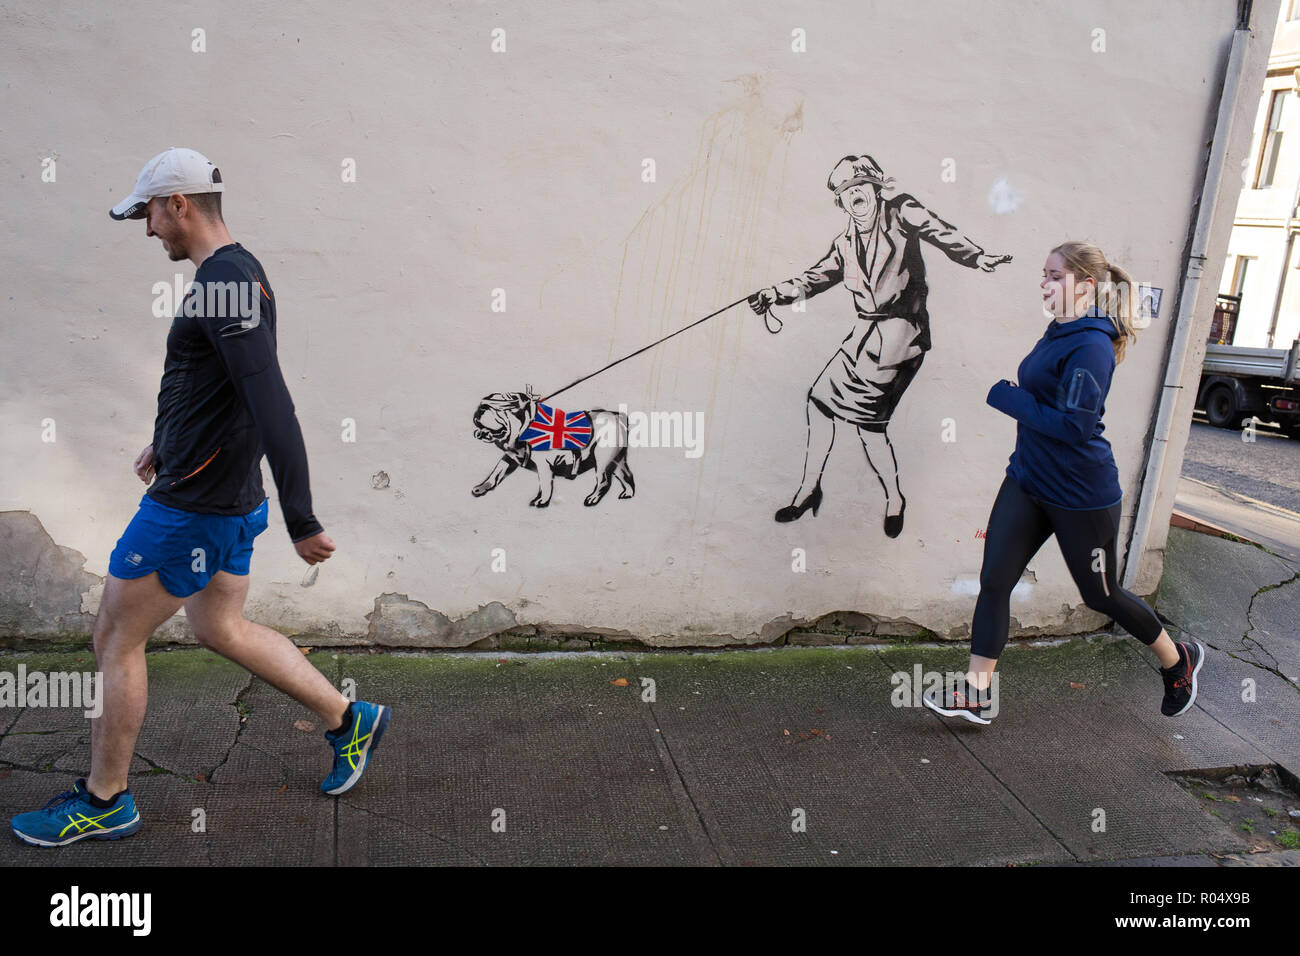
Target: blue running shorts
(185, 548)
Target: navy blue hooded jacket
(1060, 456)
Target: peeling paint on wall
(44, 583)
(398, 621)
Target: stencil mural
(878, 259)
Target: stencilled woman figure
(878, 259)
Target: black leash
(768, 318)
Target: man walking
(223, 404)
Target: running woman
(223, 404)
(1062, 480)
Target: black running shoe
(1180, 680)
(960, 700)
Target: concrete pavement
(786, 756)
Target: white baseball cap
(174, 170)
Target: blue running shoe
(70, 817)
(354, 745)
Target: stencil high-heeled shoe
(894, 523)
(792, 512)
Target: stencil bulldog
(551, 442)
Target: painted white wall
(522, 170)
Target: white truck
(1239, 382)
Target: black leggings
(1018, 526)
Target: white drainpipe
(1171, 392)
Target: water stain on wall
(697, 248)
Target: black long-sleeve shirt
(223, 402)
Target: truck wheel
(1221, 408)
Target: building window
(1271, 142)
(1239, 275)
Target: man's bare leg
(217, 616)
(129, 611)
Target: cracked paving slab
(188, 727)
(50, 739)
(302, 758)
(1241, 603)
(65, 753)
(260, 815)
(874, 783)
(1275, 623)
(550, 749)
(1070, 751)
(1210, 584)
(1255, 704)
(373, 838)
(190, 719)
